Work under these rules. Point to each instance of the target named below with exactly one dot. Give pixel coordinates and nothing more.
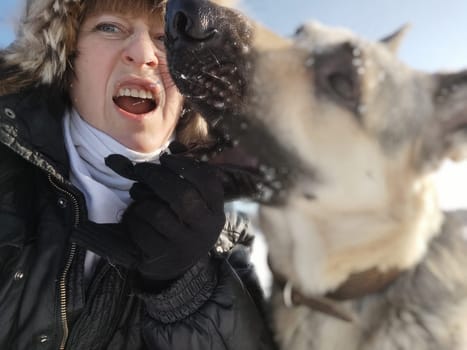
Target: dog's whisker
(201, 97)
(216, 77)
(214, 57)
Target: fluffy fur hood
(44, 45)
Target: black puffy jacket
(44, 303)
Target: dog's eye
(342, 85)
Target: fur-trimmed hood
(45, 41)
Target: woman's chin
(143, 144)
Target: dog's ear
(445, 137)
(337, 76)
(451, 108)
(393, 41)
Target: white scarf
(105, 191)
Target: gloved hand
(175, 219)
(177, 213)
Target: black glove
(175, 219)
(177, 213)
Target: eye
(159, 41)
(108, 28)
(342, 85)
(160, 37)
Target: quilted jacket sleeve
(217, 305)
(208, 309)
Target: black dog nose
(189, 20)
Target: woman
(95, 251)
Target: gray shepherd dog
(342, 139)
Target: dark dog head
(212, 52)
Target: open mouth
(135, 101)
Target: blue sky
(8, 14)
(437, 39)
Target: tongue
(135, 105)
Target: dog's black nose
(189, 20)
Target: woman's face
(122, 85)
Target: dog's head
(345, 136)
(211, 50)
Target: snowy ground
(451, 181)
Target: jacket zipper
(63, 278)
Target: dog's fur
(347, 139)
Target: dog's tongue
(135, 105)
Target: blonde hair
(129, 7)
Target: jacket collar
(30, 125)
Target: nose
(190, 20)
(141, 51)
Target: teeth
(135, 93)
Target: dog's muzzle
(190, 23)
